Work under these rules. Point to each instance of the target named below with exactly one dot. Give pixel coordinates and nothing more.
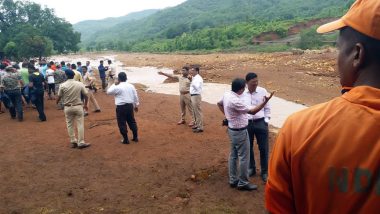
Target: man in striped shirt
(236, 111)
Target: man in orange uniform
(327, 158)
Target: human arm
(260, 106)
(220, 106)
(135, 100)
(167, 75)
(112, 90)
(84, 93)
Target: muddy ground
(40, 173)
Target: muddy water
(212, 92)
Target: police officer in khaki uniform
(71, 91)
(185, 98)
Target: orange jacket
(327, 158)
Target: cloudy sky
(79, 10)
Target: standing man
(79, 68)
(257, 125)
(111, 73)
(88, 83)
(185, 98)
(78, 76)
(126, 101)
(25, 78)
(12, 83)
(89, 68)
(36, 88)
(236, 112)
(102, 74)
(196, 98)
(71, 92)
(59, 78)
(326, 158)
(50, 81)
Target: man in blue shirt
(102, 75)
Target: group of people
(190, 89)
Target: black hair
(101, 61)
(73, 66)
(85, 67)
(2, 66)
(122, 77)
(109, 61)
(63, 63)
(237, 84)
(371, 45)
(25, 64)
(185, 68)
(79, 63)
(51, 63)
(250, 76)
(69, 74)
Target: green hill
(212, 24)
(90, 27)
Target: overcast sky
(80, 10)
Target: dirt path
(41, 174)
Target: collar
(364, 95)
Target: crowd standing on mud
(325, 159)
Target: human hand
(85, 108)
(266, 99)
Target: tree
(10, 50)
(310, 39)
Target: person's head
(25, 64)
(101, 62)
(51, 63)
(185, 71)
(42, 62)
(252, 81)
(16, 66)
(69, 74)
(122, 76)
(68, 65)
(63, 64)
(79, 64)
(9, 68)
(84, 69)
(109, 62)
(359, 44)
(31, 68)
(194, 70)
(87, 63)
(2, 66)
(238, 86)
(73, 66)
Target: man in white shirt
(50, 81)
(257, 124)
(111, 73)
(126, 101)
(237, 112)
(196, 99)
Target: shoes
(20, 119)
(97, 111)
(194, 127)
(191, 124)
(264, 177)
(74, 145)
(197, 130)
(85, 114)
(252, 172)
(83, 145)
(248, 187)
(181, 122)
(234, 185)
(124, 141)
(136, 140)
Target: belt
(256, 120)
(195, 95)
(184, 92)
(71, 105)
(241, 129)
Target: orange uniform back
(327, 158)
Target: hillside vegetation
(211, 24)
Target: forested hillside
(90, 27)
(212, 24)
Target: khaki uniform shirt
(71, 91)
(184, 84)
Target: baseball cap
(363, 16)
